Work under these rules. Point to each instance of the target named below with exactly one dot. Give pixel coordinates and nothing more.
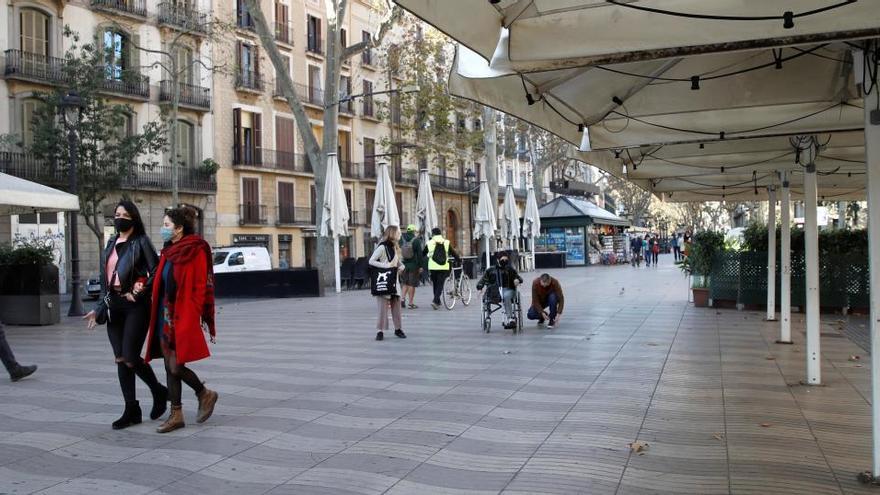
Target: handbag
(102, 314)
(383, 281)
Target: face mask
(502, 263)
(123, 224)
(167, 233)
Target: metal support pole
(771, 253)
(336, 259)
(785, 261)
(76, 305)
(872, 160)
(811, 255)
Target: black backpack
(439, 254)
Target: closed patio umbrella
(384, 206)
(334, 219)
(510, 219)
(426, 210)
(484, 217)
(531, 227)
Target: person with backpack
(438, 251)
(411, 247)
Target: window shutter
(310, 30)
(238, 50)
(258, 136)
(318, 46)
(256, 52)
(134, 55)
(236, 135)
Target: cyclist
(439, 252)
(503, 276)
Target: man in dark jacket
(411, 247)
(546, 294)
(503, 277)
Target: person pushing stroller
(502, 278)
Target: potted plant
(28, 285)
(209, 166)
(698, 263)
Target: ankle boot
(207, 399)
(174, 421)
(131, 416)
(160, 402)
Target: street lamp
(470, 177)
(71, 113)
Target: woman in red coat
(182, 311)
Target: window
(315, 93)
(127, 127)
(478, 125)
(249, 66)
(34, 32)
(28, 109)
(185, 144)
(343, 38)
(344, 92)
(243, 17)
(368, 99)
(461, 123)
(367, 55)
(282, 22)
(284, 142)
(370, 155)
(509, 177)
(522, 180)
(115, 46)
(184, 58)
(250, 200)
(285, 203)
(247, 146)
(313, 30)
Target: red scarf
(184, 316)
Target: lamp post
(71, 113)
(469, 178)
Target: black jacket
(137, 259)
(503, 276)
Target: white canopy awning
(18, 196)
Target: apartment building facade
(33, 48)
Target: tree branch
(376, 41)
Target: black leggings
(127, 331)
(178, 373)
(438, 277)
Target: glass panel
(184, 58)
(34, 32)
(113, 54)
(28, 108)
(184, 143)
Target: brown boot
(174, 421)
(207, 399)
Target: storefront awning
(567, 207)
(19, 196)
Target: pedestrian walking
(182, 312)
(655, 249)
(635, 245)
(676, 248)
(16, 370)
(547, 301)
(411, 246)
(438, 251)
(127, 271)
(387, 256)
(646, 248)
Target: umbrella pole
(486, 243)
(336, 258)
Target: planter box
(29, 295)
(701, 297)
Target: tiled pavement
(309, 403)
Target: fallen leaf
(858, 366)
(854, 357)
(638, 446)
(506, 352)
(652, 344)
(718, 436)
(766, 425)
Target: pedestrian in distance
(504, 277)
(635, 245)
(411, 246)
(16, 370)
(127, 272)
(646, 248)
(676, 249)
(182, 313)
(655, 250)
(387, 255)
(438, 252)
(547, 301)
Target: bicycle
(456, 288)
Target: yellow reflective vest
(432, 244)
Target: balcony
(133, 8)
(315, 46)
(346, 107)
(183, 17)
(292, 215)
(127, 83)
(368, 109)
(248, 80)
(195, 97)
(451, 184)
(33, 67)
(252, 214)
(311, 95)
(271, 159)
(158, 178)
(284, 33)
(243, 20)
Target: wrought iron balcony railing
(252, 214)
(127, 83)
(129, 7)
(291, 215)
(190, 96)
(183, 17)
(33, 67)
(248, 80)
(284, 32)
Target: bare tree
(335, 12)
(635, 200)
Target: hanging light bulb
(695, 83)
(585, 138)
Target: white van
(241, 259)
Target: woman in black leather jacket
(128, 265)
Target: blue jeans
(6, 352)
(551, 303)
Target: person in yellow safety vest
(438, 250)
